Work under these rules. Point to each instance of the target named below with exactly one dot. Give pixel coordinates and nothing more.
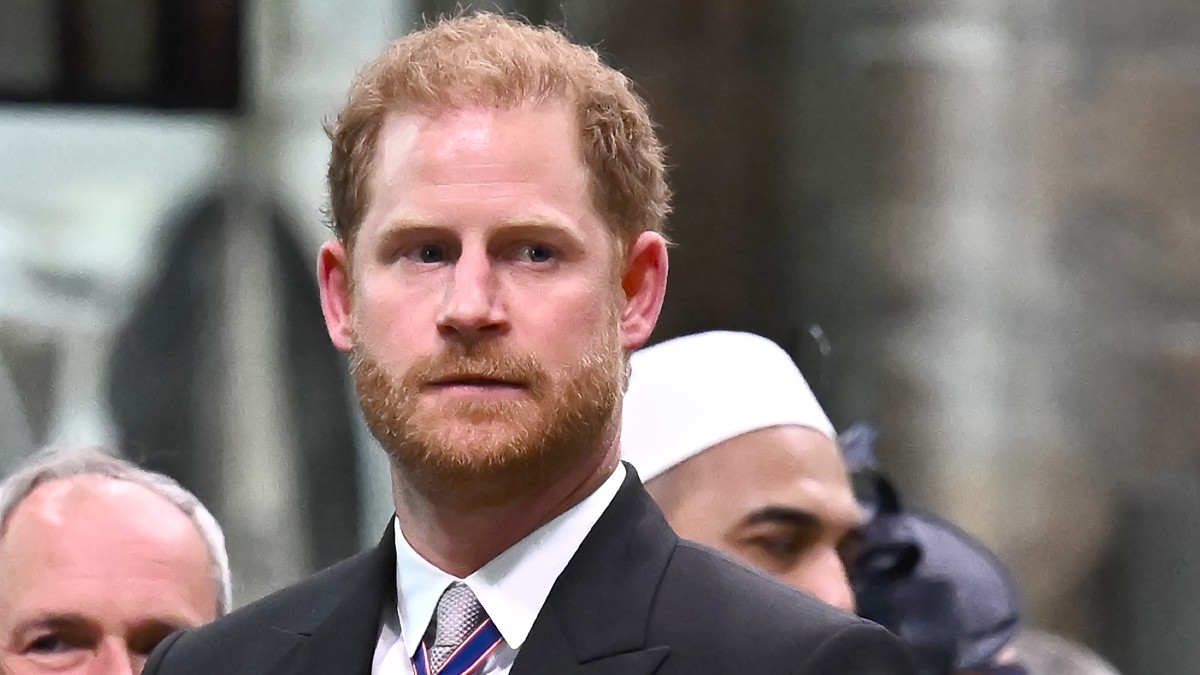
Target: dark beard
(452, 451)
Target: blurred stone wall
(1010, 192)
(1117, 167)
(716, 85)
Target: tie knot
(458, 615)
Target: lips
(475, 381)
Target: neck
(459, 538)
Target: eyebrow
(531, 222)
(54, 621)
(784, 515)
(419, 223)
(60, 621)
(506, 229)
(409, 226)
(537, 227)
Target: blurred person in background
(1043, 653)
(99, 561)
(739, 455)
(941, 590)
(498, 196)
(705, 422)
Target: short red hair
(491, 60)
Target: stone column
(920, 239)
(998, 218)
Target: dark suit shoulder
(298, 606)
(265, 629)
(713, 611)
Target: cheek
(378, 312)
(379, 295)
(568, 321)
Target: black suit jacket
(634, 600)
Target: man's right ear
(333, 277)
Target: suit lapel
(340, 633)
(593, 623)
(595, 618)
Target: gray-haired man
(99, 561)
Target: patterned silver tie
(458, 615)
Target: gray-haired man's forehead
(58, 462)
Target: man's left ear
(644, 285)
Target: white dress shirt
(512, 587)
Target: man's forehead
(76, 505)
(57, 500)
(786, 466)
(480, 155)
(444, 134)
(802, 449)
(85, 536)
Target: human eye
(49, 643)
(429, 254)
(57, 650)
(780, 547)
(56, 640)
(538, 254)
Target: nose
(822, 574)
(471, 310)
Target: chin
(460, 448)
(479, 449)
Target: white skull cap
(691, 393)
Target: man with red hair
(497, 196)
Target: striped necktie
(461, 637)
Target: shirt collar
(512, 587)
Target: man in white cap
(737, 452)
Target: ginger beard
(491, 449)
